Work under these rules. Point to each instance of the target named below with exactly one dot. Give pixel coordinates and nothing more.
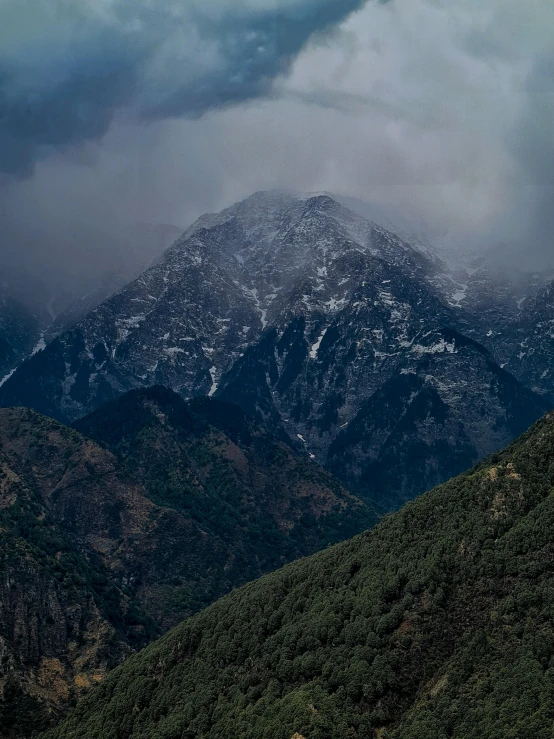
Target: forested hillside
(438, 623)
(100, 553)
(251, 503)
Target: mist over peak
(119, 113)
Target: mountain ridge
(299, 310)
(102, 548)
(436, 623)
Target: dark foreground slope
(438, 623)
(65, 615)
(100, 553)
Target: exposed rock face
(187, 319)
(100, 553)
(62, 623)
(306, 315)
(437, 417)
(533, 357)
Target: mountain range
(315, 320)
(285, 374)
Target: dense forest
(438, 623)
(102, 552)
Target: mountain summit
(323, 326)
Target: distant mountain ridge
(19, 332)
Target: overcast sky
(116, 111)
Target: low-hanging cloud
(437, 112)
(69, 67)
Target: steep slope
(438, 623)
(250, 501)
(188, 318)
(49, 270)
(143, 245)
(93, 563)
(64, 617)
(434, 419)
(492, 301)
(390, 409)
(532, 358)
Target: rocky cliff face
(437, 417)
(63, 622)
(187, 319)
(100, 552)
(533, 356)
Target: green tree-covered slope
(438, 623)
(99, 553)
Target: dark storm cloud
(67, 69)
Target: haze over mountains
(332, 331)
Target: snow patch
(39, 346)
(213, 388)
(440, 347)
(263, 312)
(315, 348)
(335, 304)
(7, 377)
(460, 295)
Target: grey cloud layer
(67, 68)
(439, 111)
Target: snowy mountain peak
(315, 320)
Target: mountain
(64, 620)
(437, 623)
(188, 318)
(19, 332)
(533, 356)
(102, 551)
(493, 300)
(142, 246)
(434, 419)
(50, 271)
(250, 502)
(306, 315)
